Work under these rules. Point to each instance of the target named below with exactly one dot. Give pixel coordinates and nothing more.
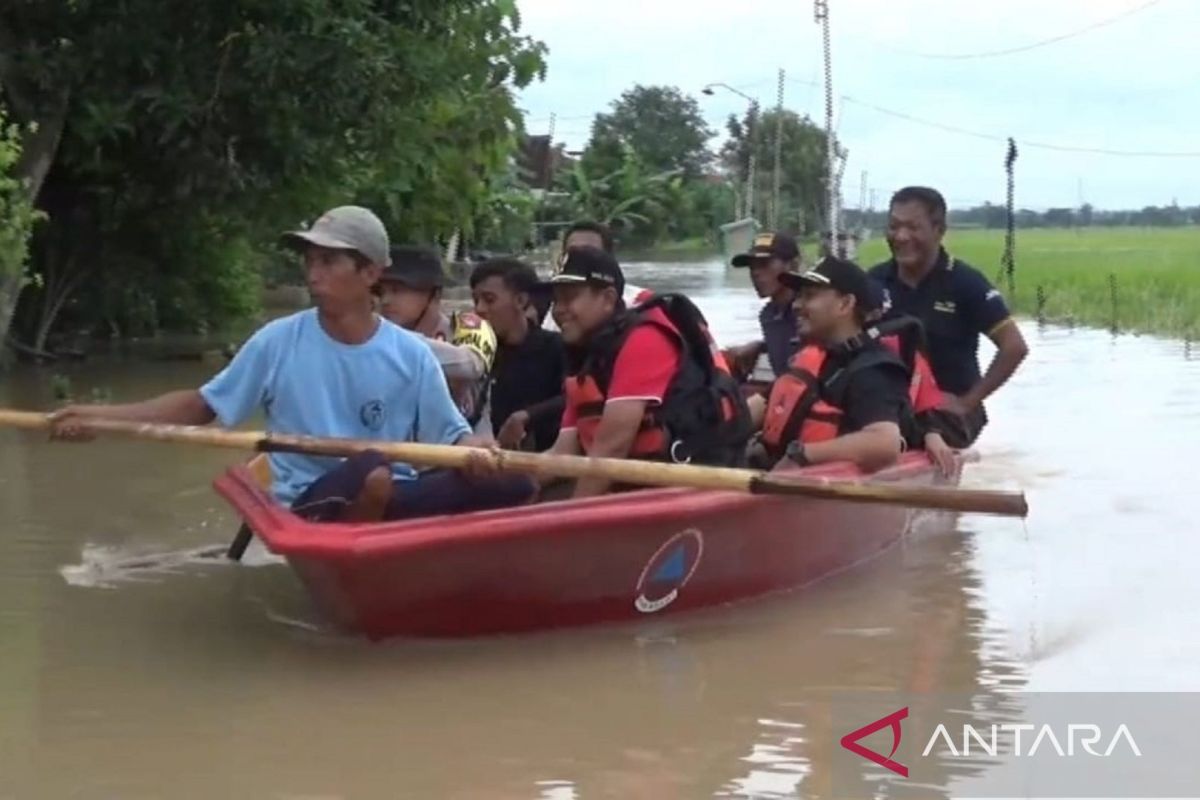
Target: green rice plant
(1155, 273)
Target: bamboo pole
(543, 465)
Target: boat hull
(609, 559)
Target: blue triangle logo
(673, 569)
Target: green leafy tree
(646, 170)
(803, 178)
(659, 124)
(628, 199)
(17, 217)
(175, 140)
(504, 223)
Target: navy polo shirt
(956, 304)
(778, 323)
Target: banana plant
(624, 198)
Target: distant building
(540, 161)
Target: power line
(1008, 51)
(560, 118)
(1026, 142)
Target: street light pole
(752, 160)
(777, 178)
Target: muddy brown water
(132, 665)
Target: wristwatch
(795, 451)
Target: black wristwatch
(795, 451)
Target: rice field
(1131, 279)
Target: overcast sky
(1133, 85)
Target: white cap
(346, 228)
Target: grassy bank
(1139, 279)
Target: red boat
(607, 559)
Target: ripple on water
(188, 661)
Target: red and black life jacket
(805, 407)
(905, 336)
(646, 296)
(702, 419)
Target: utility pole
(752, 135)
(550, 151)
(821, 14)
(777, 180)
(546, 167)
(745, 208)
(862, 201)
(843, 156)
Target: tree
(16, 223)
(624, 199)
(505, 222)
(647, 170)
(192, 134)
(803, 178)
(1059, 218)
(662, 126)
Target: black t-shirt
(525, 375)
(956, 304)
(871, 394)
(778, 324)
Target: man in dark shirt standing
(772, 255)
(527, 377)
(956, 304)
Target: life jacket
(469, 330)
(702, 418)
(905, 336)
(645, 296)
(804, 407)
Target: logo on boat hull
(668, 570)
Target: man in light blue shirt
(336, 370)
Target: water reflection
(223, 683)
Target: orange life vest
(804, 408)
(923, 391)
(795, 409)
(904, 335)
(702, 416)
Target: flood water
(132, 666)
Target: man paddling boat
(336, 370)
(410, 292)
(648, 386)
(847, 395)
(955, 303)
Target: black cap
(589, 265)
(766, 246)
(844, 277)
(416, 268)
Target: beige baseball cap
(346, 228)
